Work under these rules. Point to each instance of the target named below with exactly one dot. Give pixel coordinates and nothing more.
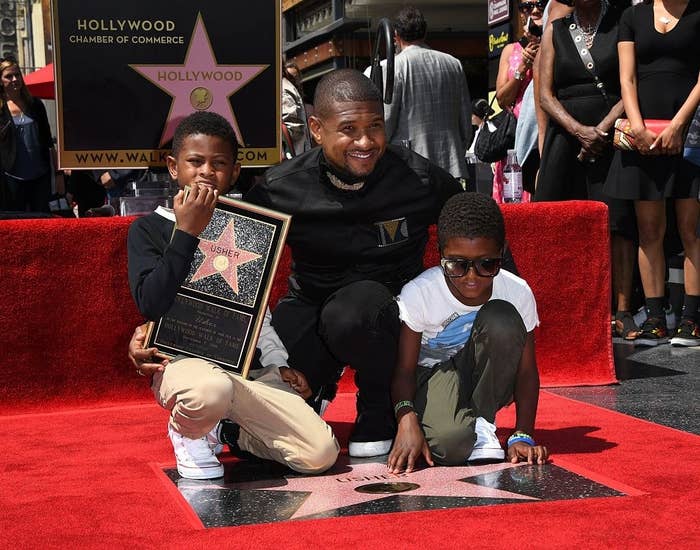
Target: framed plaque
(219, 309)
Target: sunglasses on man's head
(459, 267)
(529, 7)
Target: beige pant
(276, 423)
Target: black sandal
(626, 330)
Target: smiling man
(360, 216)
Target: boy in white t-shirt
(466, 348)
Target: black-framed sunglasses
(528, 7)
(459, 267)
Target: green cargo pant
(477, 381)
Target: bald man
(360, 216)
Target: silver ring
(138, 371)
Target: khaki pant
(276, 423)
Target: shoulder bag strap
(586, 57)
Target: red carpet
(67, 314)
(85, 479)
(77, 468)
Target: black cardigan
(8, 146)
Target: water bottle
(512, 179)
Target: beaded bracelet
(523, 437)
(402, 404)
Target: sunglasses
(459, 267)
(529, 7)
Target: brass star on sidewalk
(223, 256)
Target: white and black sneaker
(372, 434)
(487, 445)
(687, 335)
(196, 458)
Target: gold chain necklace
(340, 184)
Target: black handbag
(493, 146)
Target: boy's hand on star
(532, 454)
(409, 445)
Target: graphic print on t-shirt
(448, 341)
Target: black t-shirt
(338, 237)
(667, 64)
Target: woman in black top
(659, 67)
(577, 151)
(25, 143)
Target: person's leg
(360, 325)
(16, 201)
(651, 223)
(39, 193)
(443, 408)
(476, 382)
(623, 236)
(496, 344)
(687, 215)
(296, 323)
(197, 394)
(277, 424)
(622, 259)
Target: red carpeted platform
(88, 479)
(83, 442)
(67, 314)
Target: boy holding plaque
(267, 416)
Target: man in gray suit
(431, 107)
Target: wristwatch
(517, 75)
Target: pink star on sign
(200, 83)
(223, 256)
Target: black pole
(386, 31)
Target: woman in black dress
(577, 152)
(659, 68)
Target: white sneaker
(195, 457)
(214, 440)
(366, 449)
(487, 446)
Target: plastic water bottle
(512, 179)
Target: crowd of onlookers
(604, 93)
(576, 70)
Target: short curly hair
(471, 215)
(410, 24)
(205, 123)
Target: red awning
(40, 83)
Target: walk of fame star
(223, 256)
(332, 490)
(256, 493)
(200, 82)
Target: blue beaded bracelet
(527, 440)
(518, 437)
